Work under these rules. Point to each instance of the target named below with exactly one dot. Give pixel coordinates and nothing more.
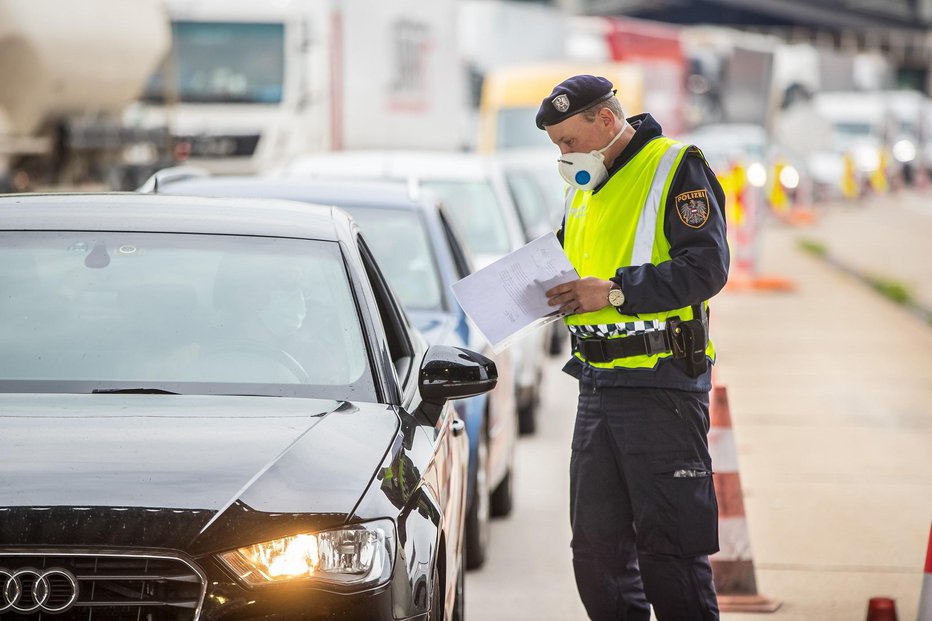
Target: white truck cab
(248, 85)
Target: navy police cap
(572, 96)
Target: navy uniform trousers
(642, 504)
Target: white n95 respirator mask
(585, 171)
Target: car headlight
(356, 555)
(867, 158)
(904, 151)
(789, 177)
(757, 175)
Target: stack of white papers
(507, 298)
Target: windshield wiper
(132, 391)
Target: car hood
(181, 471)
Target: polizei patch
(693, 207)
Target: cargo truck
(249, 85)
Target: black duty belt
(595, 349)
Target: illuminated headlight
(904, 151)
(757, 175)
(355, 556)
(789, 177)
(868, 158)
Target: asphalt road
(529, 574)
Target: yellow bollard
(849, 182)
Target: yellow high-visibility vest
(622, 225)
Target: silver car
(477, 197)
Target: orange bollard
(733, 565)
(881, 609)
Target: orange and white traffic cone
(925, 598)
(881, 609)
(733, 565)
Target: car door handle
(458, 427)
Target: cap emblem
(561, 103)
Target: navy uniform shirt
(696, 271)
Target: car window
(196, 314)
(394, 320)
(532, 208)
(460, 260)
(477, 213)
(399, 240)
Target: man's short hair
(611, 103)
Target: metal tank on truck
(250, 85)
(69, 70)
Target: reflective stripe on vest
(647, 224)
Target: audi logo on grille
(28, 589)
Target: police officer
(645, 228)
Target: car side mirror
(455, 373)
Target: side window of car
(393, 317)
(461, 261)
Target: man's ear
(607, 117)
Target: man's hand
(580, 296)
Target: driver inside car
(259, 330)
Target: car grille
(110, 587)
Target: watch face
(616, 297)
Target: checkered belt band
(607, 330)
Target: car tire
(557, 338)
(527, 409)
(527, 417)
(459, 606)
(478, 528)
(503, 500)
(436, 595)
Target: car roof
(339, 193)
(425, 165)
(171, 214)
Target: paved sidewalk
(887, 236)
(830, 391)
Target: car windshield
(400, 242)
(517, 129)
(476, 212)
(192, 314)
(219, 62)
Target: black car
(415, 241)
(216, 409)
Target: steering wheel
(280, 356)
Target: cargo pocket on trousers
(684, 485)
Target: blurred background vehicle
(476, 196)
(655, 48)
(248, 85)
(511, 96)
(415, 242)
(62, 96)
(908, 132)
(859, 125)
